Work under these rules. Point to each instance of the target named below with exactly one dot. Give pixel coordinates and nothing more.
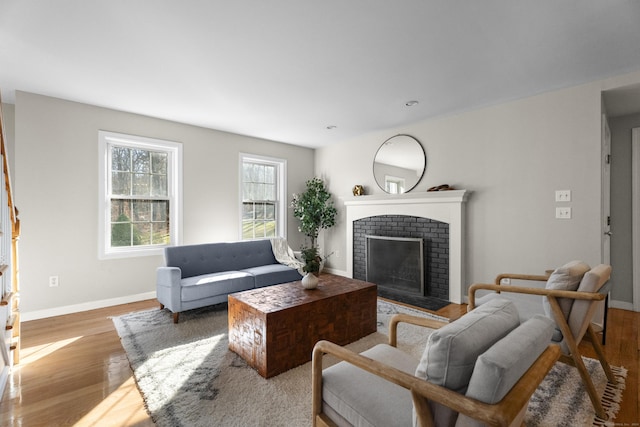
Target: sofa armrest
(168, 289)
(168, 276)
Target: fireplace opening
(396, 263)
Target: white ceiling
(286, 69)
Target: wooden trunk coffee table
(275, 328)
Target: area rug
(188, 377)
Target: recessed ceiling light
(411, 103)
(330, 127)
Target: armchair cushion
(565, 278)
(499, 368)
(350, 395)
(451, 352)
(593, 281)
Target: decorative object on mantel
(314, 208)
(443, 187)
(399, 164)
(358, 190)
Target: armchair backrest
(498, 369)
(565, 278)
(582, 310)
(482, 354)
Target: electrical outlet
(563, 195)
(53, 281)
(563, 213)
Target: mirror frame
(418, 176)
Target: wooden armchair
(572, 311)
(384, 386)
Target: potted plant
(311, 267)
(311, 260)
(314, 208)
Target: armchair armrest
(550, 293)
(532, 277)
(413, 320)
(499, 414)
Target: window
(393, 184)
(140, 201)
(262, 197)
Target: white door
(606, 191)
(598, 317)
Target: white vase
(309, 281)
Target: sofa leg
(175, 317)
(161, 306)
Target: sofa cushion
(498, 369)
(565, 278)
(209, 285)
(354, 397)
(272, 274)
(452, 350)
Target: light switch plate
(563, 213)
(563, 195)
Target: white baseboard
(4, 376)
(623, 305)
(76, 308)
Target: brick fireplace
(434, 239)
(442, 208)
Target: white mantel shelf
(444, 206)
(450, 196)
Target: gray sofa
(200, 275)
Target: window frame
(174, 188)
(281, 192)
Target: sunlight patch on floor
(32, 354)
(158, 362)
(121, 408)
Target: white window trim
(175, 193)
(281, 205)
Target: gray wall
(56, 186)
(621, 213)
(512, 157)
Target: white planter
(310, 281)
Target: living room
(511, 155)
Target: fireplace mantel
(445, 206)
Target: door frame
(600, 315)
(635, 216)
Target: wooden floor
(75, 372)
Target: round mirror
(399, 164)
